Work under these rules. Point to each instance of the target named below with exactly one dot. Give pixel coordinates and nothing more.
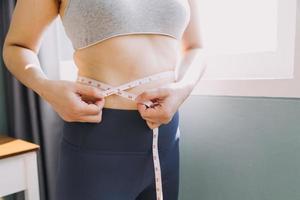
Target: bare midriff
(121, 59)
(124, 58)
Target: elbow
(10, 50)
(194, 46)
(7, 54)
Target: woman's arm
(171, 96)
(187, 74)
(30, 20)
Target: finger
(89, 90)
(152, 125)
(158, 120)
(100, 103)
(152, 95)
(91, 118)
(155, 122)
(153, 119)
(91, 109)
(158, 114)
(148, 112)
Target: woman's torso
(121, 59)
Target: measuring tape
(119, 90)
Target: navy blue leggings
(112, 160)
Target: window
(251, 46)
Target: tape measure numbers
(119, 90)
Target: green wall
(237, 148)
(240, 148)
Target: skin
(138, 55)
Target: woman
(108, 144)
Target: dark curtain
(29, 117)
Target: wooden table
(18, 168)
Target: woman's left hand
(166, 101)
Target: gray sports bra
(87, 22)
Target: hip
(120, 131)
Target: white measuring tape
(119, 90)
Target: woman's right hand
(74, 101)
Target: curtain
(29, 117)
